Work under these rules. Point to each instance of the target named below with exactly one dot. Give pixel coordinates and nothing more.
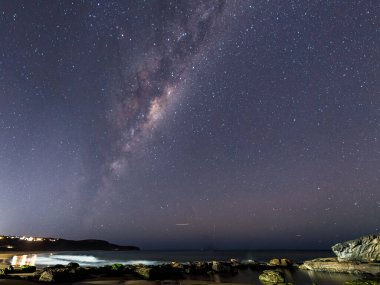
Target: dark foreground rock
(61, 273)
(361, 282)
(160, 272)
(272, 276)
(46, 276)
(363, 249)
(334, 265)
(143, 272)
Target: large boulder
(60, 273)
(364, 249)
(177, 265)
(333, 265)
(280, 262)
(143, 272)
(47, 276)
(272, 276)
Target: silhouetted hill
(52, 244)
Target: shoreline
(232, 272)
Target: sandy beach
(5, 257)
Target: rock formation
(272, 276)
(364, 249)
(333, 265)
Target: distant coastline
(22, 243)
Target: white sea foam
(87, 260)
(78, 258)
(83, 260)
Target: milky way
(183, 34)
(190, 124)
(183, 31)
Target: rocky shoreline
(171, 271)
(272, 272)
(357, 257)
(333, 265)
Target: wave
(87, 260)
(78, 258)
(83, 260)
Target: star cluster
(190, 124)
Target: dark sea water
(100, 258)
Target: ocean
(100, 258)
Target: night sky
(191, 124)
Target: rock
(333, 265)
(286, 262)
(236, 264)
(364, 249)
(143, 272)
(46, 276)
(57, 266)
(117, 267)
(198, 267)
(61, 274)
(220, 267)
(73, 265)
(166, 272)
(129, 269)
(252, 264)
(10, 269)
(177, 265)
(275, 262)
(272, 276)
(280, 262)
(361, 282)
(27, 269)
